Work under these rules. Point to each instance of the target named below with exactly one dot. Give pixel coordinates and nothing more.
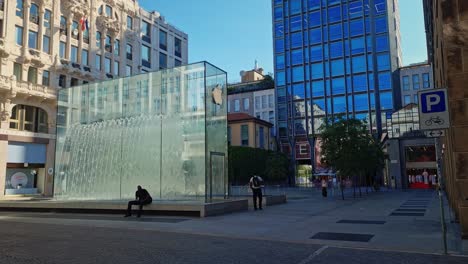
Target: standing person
(142, 197)
(256, 184)
(324, 188)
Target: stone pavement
(382, 222)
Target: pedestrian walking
(256, 184)
(324, 188)
(142, 197)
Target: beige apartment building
(248, 131)
(46, 45)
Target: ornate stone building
(447, 40)
(47, 45)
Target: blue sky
(233, 34)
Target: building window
(62, 81)
(32, 39)
(46, 78)
(257, 102)
(73, 82)
(108, 44)
(246, 104)
(426, 82)
(271, 101)
(303, 150)
(407, 99)
(129, 22)
(19, 8)
(74, 54)
(75, 30)
(244, 135)
(271, 117)
(19, 35)
(18, 71)
(416, 82)
(406, 84)
(107, 65)
(34, 14)
(117, 47)
(47, 18)
(229, 135)
(86, 36)
(28, 118)
(236, 105)
(108, 11)
(146, 31)
(178, 47)
(116, 68)
(63, 26)
(62, 46)
(261, 137)
(46, 44)
(84, 57)
(177, 63)
(32, 75)
(129, 51)
(163, 40)
(264, 101)
(146, 56)
(128, 70)
(98, 62)
(98, 40)
(162, 61)
(416, 99)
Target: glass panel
(141, 113)
(32, 42)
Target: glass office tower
(333, 57)
(164, 130)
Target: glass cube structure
(164, 130)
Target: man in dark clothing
(142, 197)
(256, 184)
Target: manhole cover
(343, 237)
(410, 210)
(364, 222)
(406, 214)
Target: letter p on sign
(433, 102)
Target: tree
(350, 149)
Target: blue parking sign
(433, 102)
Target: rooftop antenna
(256, 64)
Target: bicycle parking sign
(433, 109)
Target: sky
(233, 34)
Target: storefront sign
(18, 179)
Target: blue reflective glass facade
(334, 57)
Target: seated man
(142, 197)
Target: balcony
(35, 90)
(37, 58)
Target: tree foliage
(349, 148)
(272, 166)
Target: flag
(82, 23)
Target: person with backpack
(256, 184)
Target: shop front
(25, 168)
(421, 167)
